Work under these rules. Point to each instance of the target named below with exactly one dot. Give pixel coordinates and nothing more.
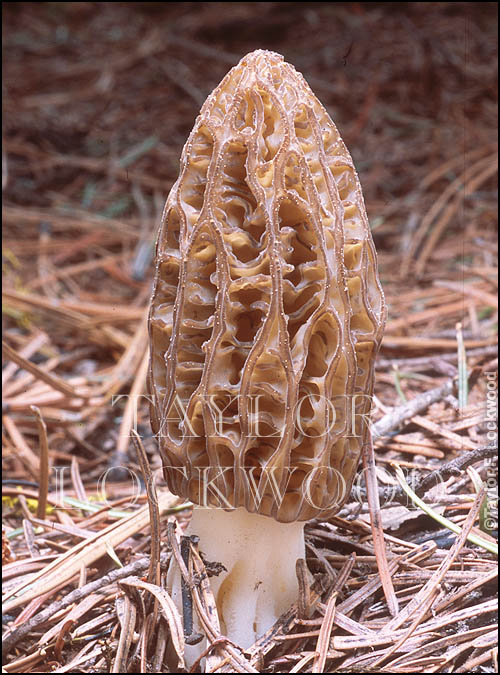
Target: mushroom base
(259, 555)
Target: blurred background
(99, 99)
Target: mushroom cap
(267, 312)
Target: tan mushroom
(266, 318)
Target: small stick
(154, 513)
(394, 419)
(190, 637)
(52, 380)
(43, 488)
(304, 603)
(187, 584)
(376, 525)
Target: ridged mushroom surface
(267, 311)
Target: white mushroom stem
(260, 555)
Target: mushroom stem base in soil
(259, 554)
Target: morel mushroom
(265, 321)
